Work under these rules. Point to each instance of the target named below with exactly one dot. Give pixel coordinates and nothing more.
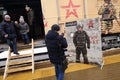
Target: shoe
(25, 43)
(86, 62)
(77, 61)
(16, 53)
(11, 50)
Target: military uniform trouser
(84, 54)
(107, 25)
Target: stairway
(18, 64)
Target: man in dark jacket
(8, 31)
(56, 44)
(81, 41)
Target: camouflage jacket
(107, 11)
(80, 39)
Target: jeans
(59, 72)
(25, 38)
(12, 44)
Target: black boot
(16, 53)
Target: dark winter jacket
(8, 28)
(80, 39)
(30, 17)
(55, 45)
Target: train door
(16, 8)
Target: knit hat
(21, 19)
(55, 27)
(7, 16)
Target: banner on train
(93, 29)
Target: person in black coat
(31, 22)
(56, 44)
(8, 32)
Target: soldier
(108, 13)
(81, 41)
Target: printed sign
(93, 29)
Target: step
(24, 47)
(20, 56)
(19, 69)
(20, 62)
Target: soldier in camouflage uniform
(108, 13)
(81, 41)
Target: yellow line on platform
(46, 72)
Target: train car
(67, 11)
(16, 8)
(60, 12)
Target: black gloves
(88, 47)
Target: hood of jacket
(52, 35)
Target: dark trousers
(12, 44)
(59, 72)
(32, 32)
(84, 53)
(25, 38)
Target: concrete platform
(109, 72)
(75, 71)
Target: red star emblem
(45, 24)
(71, 9)
(90, 24)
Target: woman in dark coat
(56, 44)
